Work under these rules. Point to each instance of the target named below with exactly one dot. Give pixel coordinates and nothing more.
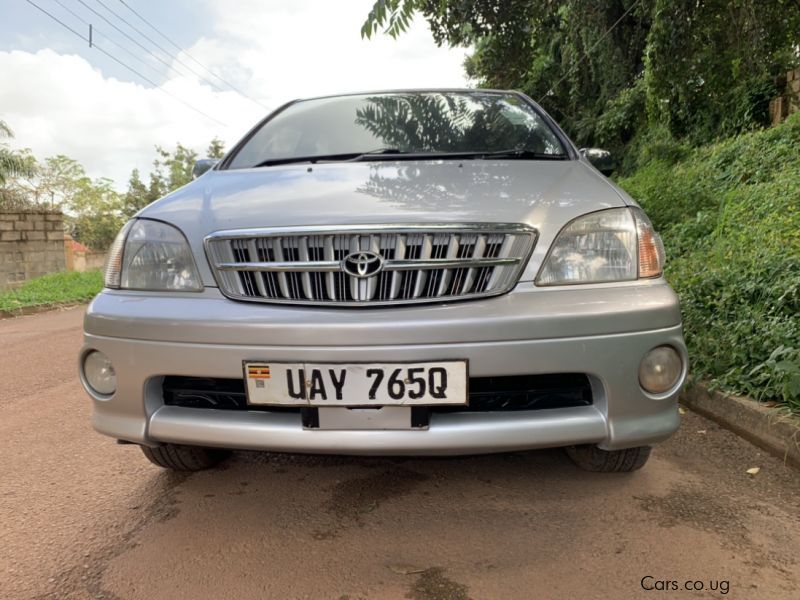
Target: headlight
(617, 244)
(150, 255)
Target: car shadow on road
(418, 522)
(341, 492)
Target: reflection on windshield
(413, 122)
(467, 188)
(450, 123)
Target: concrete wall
(82, 260)
(31, 245)
(88, 261)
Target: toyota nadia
(391, 273)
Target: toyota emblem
(362, 264)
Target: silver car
(391, 273)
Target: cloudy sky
(62, 97)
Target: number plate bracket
(420, 417)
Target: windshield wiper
(513, 153)
(305, 159)
(380, 153)
(326, 157)
(520, 153)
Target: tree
(92, 208)
(138, 195)
(558, 52)
(174, 169)
(95, 214)
(611, 70)
(171, 170)
(54, 183)
(51, 184)
(12, 162)
(711, 65)
(216, 149)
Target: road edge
(39, 308)
(772, 429)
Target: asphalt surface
(81, 517)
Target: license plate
(356, 384)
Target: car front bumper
(603, 332)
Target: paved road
(81, 517)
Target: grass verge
(729, 214)
(56, 288)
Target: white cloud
(59, 104)
(273, 51)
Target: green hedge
(729, 214)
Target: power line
(589, 51)
(150, 52)
(177, 47)
(110, 39)
(121, 63)
(149, 39)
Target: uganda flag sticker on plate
(259, 372)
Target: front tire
(592, 458)
(184, 458)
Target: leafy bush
(653, 143)
(730, 218)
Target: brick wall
(31, 244)
(789, 101)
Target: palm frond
(12, 165)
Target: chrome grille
(317, 265)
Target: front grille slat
(417, 263)
(452, 251)
(425, 249)
(282, 282)
(252, 249)
(503, 252)
(480, 248)
(306, 278)
(330, 279)
(397, 276)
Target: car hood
(544, 194)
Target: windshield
(393, 124)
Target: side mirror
(203, 165)
(602, 160)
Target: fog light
(99, 373)
(660, 369)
